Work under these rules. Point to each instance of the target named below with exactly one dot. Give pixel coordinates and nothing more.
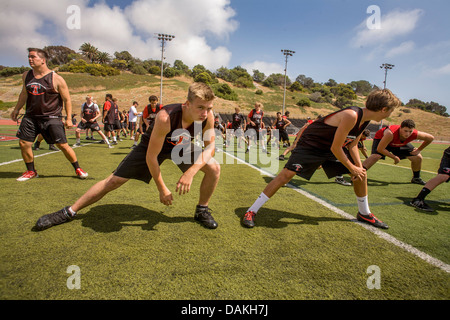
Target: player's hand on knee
(358, 173)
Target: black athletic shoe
(372, 220)
(420, 204)
(53, 219)
(203, 215)
(418, 181)
(248, 219)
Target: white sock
(72, 213)
(262, 199)
(78, 140)
(363, 205)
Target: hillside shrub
(224, 91)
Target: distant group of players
(331, 143)
(252, 129)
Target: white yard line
(422, 255)
(39, 155)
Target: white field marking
(40, 155)
(394, 165)
(422, 255)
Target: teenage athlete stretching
(172, 124)
(332, 142)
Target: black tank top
(43, 101)
(280, 124)
(89, 112)
(257, 117)
(111, 113)
(319, 135)
(177, 134)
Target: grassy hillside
(129, 87)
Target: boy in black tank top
(45, 94)
(167, 136)
(332, 142)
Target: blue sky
(331, 38)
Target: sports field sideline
(307, 244)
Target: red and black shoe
(28, 175)
(372, 220)
(248, 219)
(81, 173)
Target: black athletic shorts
(444, 167)
(88, 125)
(134, 165)
(283, 135)
(254, 133)
(305, 161)
(109, 127)
(117, 125)
(401, 152)
(132, 125)
(52, 130)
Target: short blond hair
(379, 99)
(200, 90)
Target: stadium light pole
(386, 67)
(163, 38)
(287, 53)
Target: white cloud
(393, 25)
(265, 67)
(113, 29)
(183, 18)
(405, 47)
(444, 70)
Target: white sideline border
(422, 255)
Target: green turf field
(129, 246)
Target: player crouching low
(332, 143)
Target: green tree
(305, 81)
(258, 76)
(362, 87)
(103, 57)
(203, 77)
(59, 55)
(180, 66)
(89, 51)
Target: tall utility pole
(386, 67)
(287, 53)
(163, 38)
